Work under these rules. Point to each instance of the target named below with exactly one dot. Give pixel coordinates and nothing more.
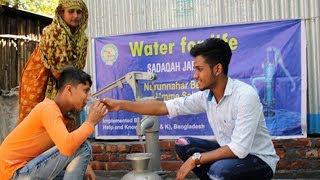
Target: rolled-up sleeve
(193, 104)
(246, 123)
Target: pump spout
(149, 126)
(147, 123)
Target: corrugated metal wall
(110, 17)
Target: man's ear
(67, 89)
(218, 69)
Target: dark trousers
(250, 167)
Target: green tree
(43, 7)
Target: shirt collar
(227, 92)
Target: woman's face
(72, 16)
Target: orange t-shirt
(42, 129)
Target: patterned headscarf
(59, 46)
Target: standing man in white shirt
(243, 148)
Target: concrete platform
(294, 174)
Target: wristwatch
(196, 157)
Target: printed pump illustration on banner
(272, 63)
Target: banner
(270, 56)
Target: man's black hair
(214, 51)
(73, 76)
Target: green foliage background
(43, 7)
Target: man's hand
(89, 175)
(112, 104)
(185, 169)
(97, 111)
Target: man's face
(79, 96)
(72, 16)
(204, 74)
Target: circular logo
(109, 54)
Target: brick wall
(295, 154)
(112, 156)
(298, 154)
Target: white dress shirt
(237, 120)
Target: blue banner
(268, 55)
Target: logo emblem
(109, 54)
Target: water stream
(142, 144)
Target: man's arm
(246, 124)
(249, 112)
(145, 107)
(223, 152)
(69, 142)
(192, 104)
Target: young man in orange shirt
(41, 147)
